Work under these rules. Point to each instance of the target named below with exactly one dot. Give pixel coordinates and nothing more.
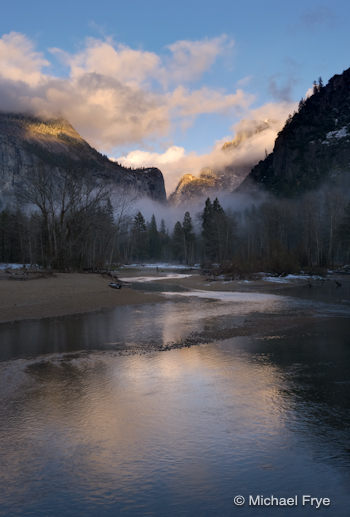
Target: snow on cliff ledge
(340, 133)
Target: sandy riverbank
(63, 294)
(75, 293)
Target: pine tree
(164, 240)
(216, 232)
(178, 242)
(222, 232)
(162, 229)
(139, 236)
(208, 231)
(217, 208)
(139, 223)
(153, 239)
(189, 237)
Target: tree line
(68, 223)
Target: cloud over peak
(254, 136)
(114, 94)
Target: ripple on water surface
(93, 432)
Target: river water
(112, 413)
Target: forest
(67, 224)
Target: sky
(166, 83)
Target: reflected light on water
(109, 419)
(91, 432)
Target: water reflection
(101, 434)
(138, 328)
(92, 432)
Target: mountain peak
(28, 143)
(227, 176)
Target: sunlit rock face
(234, 163)
(247, 130)
(190, 187)
(314, 145)
(52, 145)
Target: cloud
(117, 61)
(113, 94)
(146, 159)
(185, 62)
(187, 103)
(190, 59)
(116, 95)
(244, 81)
(253, 137)
(172, 163)
(106, 112)
(19, 60)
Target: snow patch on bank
(4, 266)
(160, 265)
(167, 276)
(229, 296)
(289, 278)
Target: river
(113, 413)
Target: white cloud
(113, 94)
(171, 162)
(146, 159)
(186, 103)
(190, 59)
(118, 61)
(116, 95)
(309, 92)
(19, 61)
(254, 135)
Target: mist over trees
(72, 224)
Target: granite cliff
(313, 146)
(28, 143)
(234, 167)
